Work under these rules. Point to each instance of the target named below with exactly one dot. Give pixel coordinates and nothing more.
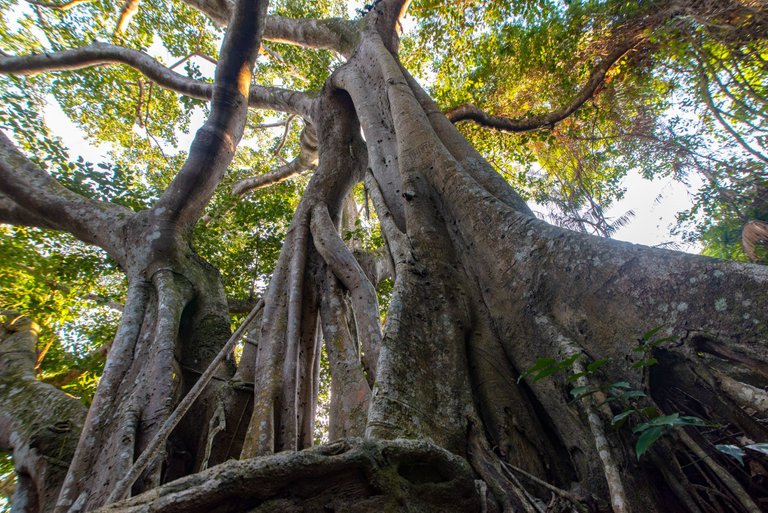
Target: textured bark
(39, 424)
(353, 475)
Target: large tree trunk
(484, 291)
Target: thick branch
(65, 6)
(469, 112)
(384, 17)
(13, 213)
(219, 11)
(332, 34)
(100, 54)
(214, 144)
(127, 12)
(35, 196)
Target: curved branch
(282, 173)
(13, 213)
(127, 12)
(305, 161)
(62, 7)
(219, 11)
(331, 34)
(215, 142)
(32, 195)
(469, 112)
(344, 265)
(102, 54)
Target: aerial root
(574, 499)
(618, 496)
(344, 265)
(506, 488)
(728, 480)
(157, 443)
(397, 241)
(371, 475)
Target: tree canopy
(562, 98)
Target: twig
(554, 489)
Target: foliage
(630, 402)
(651, 113)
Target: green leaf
(592, 367)
(574, 377)
(660, 421)
(621, 384)
(544, 373)
(580, 392)
(650, 333)
(732, 450)
(650, 411)
(541, 363)
(691, 421)
(660, 341)
(648, 438)
(763, 448)
(619, 419)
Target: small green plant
(650, 424)
(738, 452)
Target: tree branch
(13, 213)
(101, 54)
(127, 12)
(334, 34)
(717, 113)
(32, 195)
(62, 7)
(306, 160)
(214, 144)
(219, 11)
(469, 112)
(384, 17)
